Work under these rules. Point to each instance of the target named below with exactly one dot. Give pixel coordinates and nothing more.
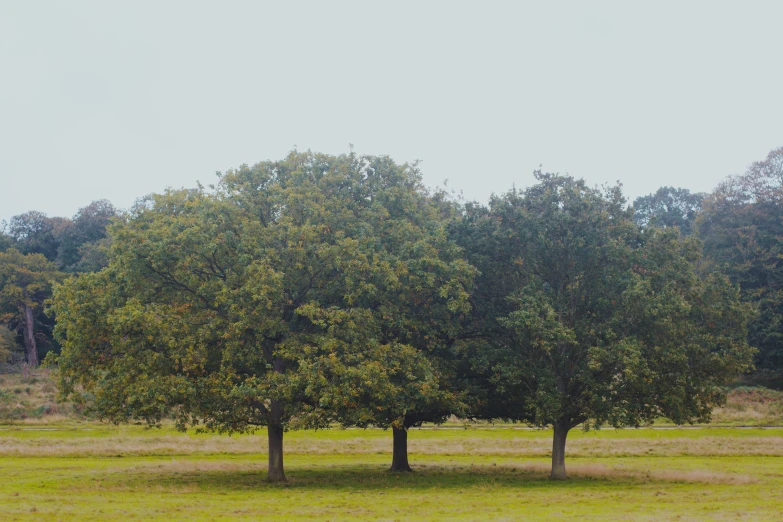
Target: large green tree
(199, 298)
(216, 304)
(592, 320)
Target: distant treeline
(338, 289)
(741, 227)
(36, 251)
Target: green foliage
(741, 226)
(25, 281)
(358, 381)
(93, 256)
(6, 241)
(604, 324)
(668, 207)
(388, 349)
(35, 233)
(223, 305)
(76, 245)
(82, 244)
(7, 344)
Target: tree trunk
(29, 336)
(558, 451)
(400, 451)
(275, 472)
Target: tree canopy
(607, 323)
(404, 303)
(80, 241)
(35, 233)
(212, 301)
(668, 207)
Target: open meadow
(88, 471)
(58, 465)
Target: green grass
(126, 473)
(58, 465)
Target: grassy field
(58, 465)
(92, 471)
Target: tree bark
(275, 472)
(400, 450)
(558, 451)
(29, 336)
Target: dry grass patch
(129, 445)
(751, 406)
(31, 399)
(595, 446)
(49, 444)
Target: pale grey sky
(112, 99)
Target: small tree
(608, 325)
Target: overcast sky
(119, 99)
